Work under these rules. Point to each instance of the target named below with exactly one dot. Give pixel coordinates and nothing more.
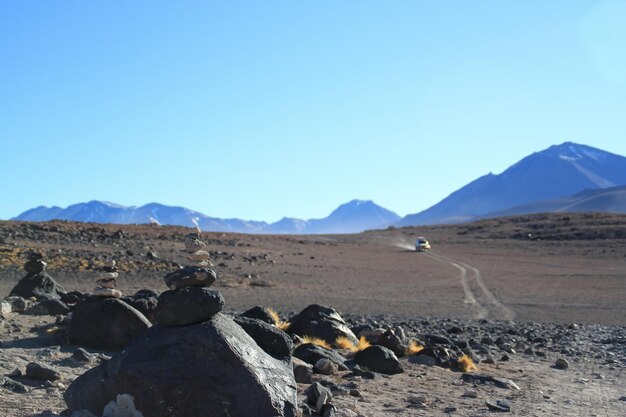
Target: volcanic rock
(209, 369)
(379, 359)
(107, 292)
(16, 303)
(50, 307)
(488, 379)
(273, 341)
(259, 313)
(302, 371)
(561, 363)
(187, 305)
(190, 276)
(144, 301)
(391, 341)
(35, 266)
(39, 286)
(105, 323)
(317, 396)
(325, 367)
(311, 353)
(322, 322)
(39, 372)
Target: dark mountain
(558, 171)
(606, 200)
(353, 217)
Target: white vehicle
(422, 245)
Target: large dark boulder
(259, 313)
(322, 322)
(311, 353)
(40, 286)
(379, 359)
(210, 369)
(188, 305)
(105, 323)
(273, 341)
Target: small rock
(302, 371)
(190, 276)
(81, 355)
(489, 360)
(561, 363)
(317, 395)
(470, 393)
(51, 307)
(498, 405)
(379, 359)
(40, 372)
(325, 366)
(107, 292)
(35, 266)
(16, 373)
(12, 385)
(18, 304)
(5, 309)
(356, 393)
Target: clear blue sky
(264, 109)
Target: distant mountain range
(562, 178)
(561, 170)
(352, 217)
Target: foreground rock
(187, 305)
(209, 369)
(379, 359)
(105, 323)
(322, 322)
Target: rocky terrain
(523, 315)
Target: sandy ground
(563, 269)
(470, 272)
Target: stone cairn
(35, 264)
(189, 299)
(107, 282)
(195, 251)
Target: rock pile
(196, 252)
(195, 361)
(37, 283)
(107, 282)
(103, 321)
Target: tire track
(486, 304)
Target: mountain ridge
(352, 217)
(557, 171)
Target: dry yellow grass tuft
(467, 364)
(414, 348)
(363, 343)
(343, 342)
(278, 322)
(315, 341)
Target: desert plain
(556, 269)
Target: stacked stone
(190, 300)
(195, 250)
(107, 282)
